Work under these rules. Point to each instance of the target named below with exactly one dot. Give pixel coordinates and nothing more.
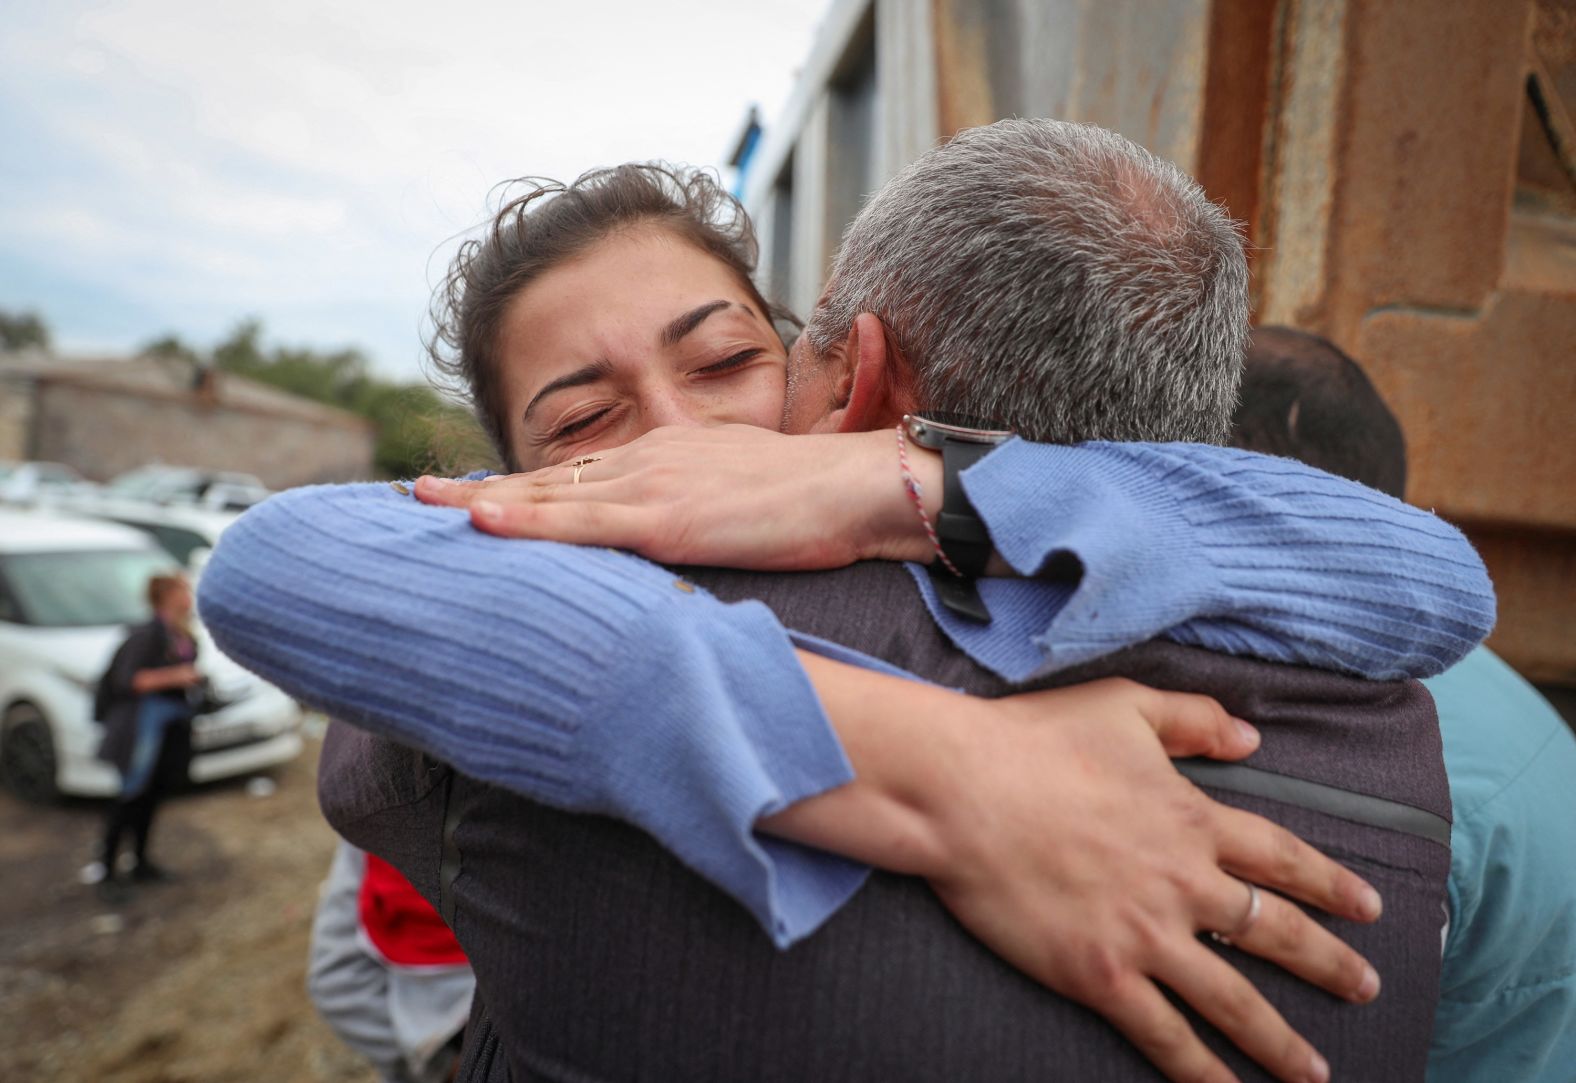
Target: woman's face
(641, 330)
(178, 602)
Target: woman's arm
(586, 679)
(1055, 829)
(162, 678)
(1225, 549)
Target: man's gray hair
(1056, 277)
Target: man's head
(1305, 399)
(1056, 277)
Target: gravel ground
(196, 981)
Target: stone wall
(16, 412)
(105, 430)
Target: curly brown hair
(550, 222)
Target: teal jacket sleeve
(1507, 1006)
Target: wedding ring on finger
(581, 463)
(1249, 918)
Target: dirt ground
(197, 981)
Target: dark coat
(149, 646)
(603, 958)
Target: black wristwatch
(962, 441)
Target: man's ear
(873, 391)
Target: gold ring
(581, 463)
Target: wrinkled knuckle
(1193, 810)
(1195, 883)
(1292, 935)
(1169, 1038)
(1102, 974)
(664, 477)
(1131, 689)
(1234, 1010)
(647, 483)
(1286, 855)
(1152, 937)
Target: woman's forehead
(632, 295)
(635, 274)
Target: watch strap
(963, 537)
(959, 596)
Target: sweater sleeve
(1220, 548)
(583, 678)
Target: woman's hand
(733, 496)
(1055, 828)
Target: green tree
(171, 348)
(20, 330)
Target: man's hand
(733, 496)
(1055, 828)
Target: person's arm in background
(1507, 1004)
(596, 682)
(1225, 549)
(348, 987)
(162, 678)
(139, 666)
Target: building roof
(156, 377)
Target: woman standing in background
(144, 704)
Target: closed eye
(580, 424)
(730, 362)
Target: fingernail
(1249, 733)
(1369, 904)
(1369, 987)
(1318, 1069)
(442, 483)
(487, 511)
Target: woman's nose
(670, 407)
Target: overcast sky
(176, 166)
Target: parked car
(69, 588)
(186, 533)
(41, 482)
(217, 490)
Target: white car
(216, 490)
(39, 483)
(186, 532)
(69, 589)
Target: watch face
(932, 429)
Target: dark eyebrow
(585, 374)
(689, 321)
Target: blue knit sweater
(1219, 548)
(594, 681)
